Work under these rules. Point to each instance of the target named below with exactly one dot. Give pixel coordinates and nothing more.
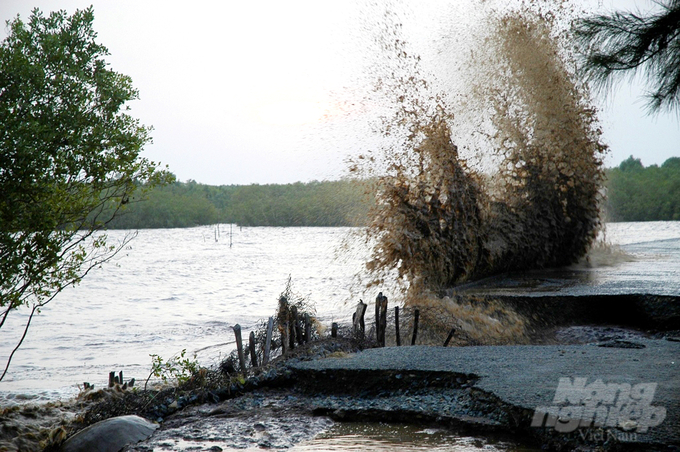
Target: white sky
(235, 89)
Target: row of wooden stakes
(292, 332)
(359, 328)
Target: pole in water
(230, 235)
(396, 325)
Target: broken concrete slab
(523, 380)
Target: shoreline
(291, 391)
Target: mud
(295, 400)
(265, 419)
(440, 220)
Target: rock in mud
(110, 435)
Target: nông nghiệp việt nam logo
(598, 404)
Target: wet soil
(272, 410)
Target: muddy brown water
(380, 437)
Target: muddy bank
(491, 392)
(282, 418)
(31, 428)
(268, 418)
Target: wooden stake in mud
(358, 326)
(251, 346)
(416, 315)
(380, 318)
(308, 327)
(296, 322)
(396, 325)
(285, 335)
(334, 329)
(112, 379)
(268, 341)
(377, 317)
(291, 333)
(450, 336)
(239, 347)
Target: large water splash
(442, 219)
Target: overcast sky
(261, 91)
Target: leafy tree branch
(69, 158)
(626, 43)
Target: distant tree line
(186, 204)
(636, 193)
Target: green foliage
(328, 203)
(625, 43)
(636, 193)
(631, 165)
(172, 206)
(313, 204)
(69, 156)
(178, 369)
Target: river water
(174, 289)
(169, 290)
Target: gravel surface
(526, 377)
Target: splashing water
(440, 220)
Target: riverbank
(491, 391)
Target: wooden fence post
(253, 352)
(396, 325)
(450, 336)
(291, 333)
(268, 341)
(334, 329)
(285, 341)
(359, 328)
(378, 300)
(296, 322)
(239, 347)
(415, 326)
(382, 318)
(308, 327)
